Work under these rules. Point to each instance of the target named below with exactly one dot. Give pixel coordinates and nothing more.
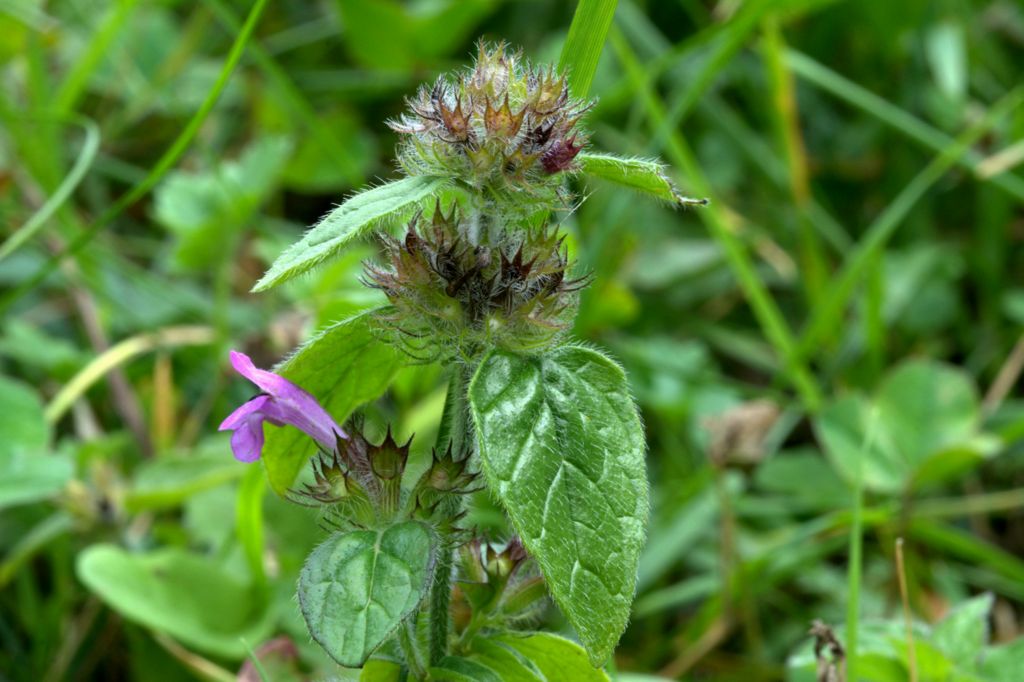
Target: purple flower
(281, 402)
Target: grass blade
(892, 115)
(582, 50)
(163, 165)
(768, 314)
(826, 316)
(85, 158)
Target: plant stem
(412, 653)
(853, 579)
(856, 550)
(453, 433)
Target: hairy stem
(453, 433)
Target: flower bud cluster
(360, 484)
(502, 127)
(451, 299)
(498, 585)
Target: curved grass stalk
(163, 165)
(74, 178)
(120, 353)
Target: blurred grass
(866, 209)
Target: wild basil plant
(479, 279)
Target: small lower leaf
(358, 587)
(563, 449)
(386, 203)
(458, 669)
(642, 175)
(555, 657)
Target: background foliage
(829, 351)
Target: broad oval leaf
(642, 175)
(185, 595)
(563, 449)
(352, 219)
(343, 366)
(357, 588)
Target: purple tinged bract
(281, 402)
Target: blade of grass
(163, 165)
(85, 64)
(723, 230)
(85, 158)
(825, 318)
(249, 521)
(583, 46)
(291, 95)
(908, 625)
(734, 36)
(888, 113)
(787, 132)
(118, 354)
(764, 158)
(853, 574)
(963, 544)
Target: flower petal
(273, 384)
(285, 404)
(247, 440)
(238, 417)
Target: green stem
(412, 653)
(856, 551)
(853, 579)
(453, 433)
(455, 417)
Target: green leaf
(1002, 663)
(359, 214)
(963, 634)
(28, 471)
(642, 175)
(343, 366)
(563, 449)
(203, 209)
(358, 587)
(22, 423)
(458, 669)
(398, 37)
(168, 481)
(512, 666)
(925, 418)
(380, 671)
(842, 428)
(928, 406)
(173, 591)
(555, 657)
(583, 45)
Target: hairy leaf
(642, 175)
(343, 367)
(384, 204)
(563, 449)
(358, 587)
